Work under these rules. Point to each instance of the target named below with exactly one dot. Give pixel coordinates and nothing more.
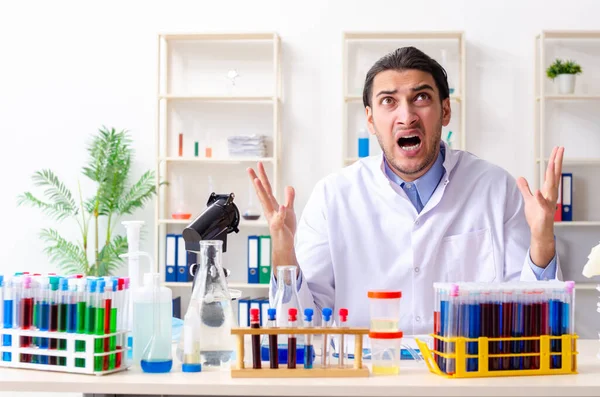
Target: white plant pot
(566, 83)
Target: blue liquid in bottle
(157, 366)
(363, 147)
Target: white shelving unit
(196, 97)
(362, 49)
(568, 120)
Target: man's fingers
(524, 188)
(550, 180)
(558, 162)
(262, 175)
(290, 194)
(264, 198)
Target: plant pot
(566, 83)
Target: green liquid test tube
(90, 311)
(62, 317)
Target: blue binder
(244, 312)
(171, 258)
(253, 259)
(567, 196)
(182, 262)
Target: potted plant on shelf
(564, 72)
(110, 158)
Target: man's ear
(446, 112)
(370, 124)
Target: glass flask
(286, 297)
(157, 357)
(212, 300)
(251, 212)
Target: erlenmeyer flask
(212, 300)
(286, 298)
(251, 212)
(157, 357)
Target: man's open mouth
(408, 143)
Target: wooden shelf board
(224, 160)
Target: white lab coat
(359, 231)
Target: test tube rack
(544, 355)
(20, 356)
(355, 370)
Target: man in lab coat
(417, 214)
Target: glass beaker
(286, 298)
(212, 300)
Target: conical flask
(212, 300)
(286, 297)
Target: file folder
(265, 260)
(182, 262)
(171, 258)
(253, 257)
(567, 197)
(264, 312)
(244, 311)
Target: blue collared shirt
(420, 191)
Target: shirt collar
(427, 183)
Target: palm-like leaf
(61, 203)
(139, 193)
(57, 211)
(109, 259)
(66, 255)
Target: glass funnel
(286, 297)
(212, 300)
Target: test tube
(81, 324)
(255, 323)
(451, 327)
(327, 312)
(569, 318)
(8, 317)
(90, 311)
(63, 315)
(53, 316)
(99, 323)
(120, 298)
(44, 314)
(273, 346)
(309, 348)
(292, 319)
(110, 324)
(26, 315)
(343, 314)
(191, 340)
(436, 321)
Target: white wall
(68, 67)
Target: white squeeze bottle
(152, 312)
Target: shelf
(227, 160)
(230, 285)
(402, 35)
(243, 223)
(577, 223)
(359, 98)
(586, 286)
(219, 36)
(582, 161)
(571, 34)
(572, 97)
(253, 99)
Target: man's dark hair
(403, 59)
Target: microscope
(220, 218)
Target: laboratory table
(414, 380)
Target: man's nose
(406, 115)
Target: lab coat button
(417, 222)
(418, 319)
(417, 270)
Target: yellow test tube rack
(356, 369)
(568, 354)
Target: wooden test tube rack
(357, 369)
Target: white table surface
(414, 380)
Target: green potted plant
(108, 166)
(564, 72)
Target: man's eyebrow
(387, 92)
(423, 87)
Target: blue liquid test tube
(8, 317)
(308, 347)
